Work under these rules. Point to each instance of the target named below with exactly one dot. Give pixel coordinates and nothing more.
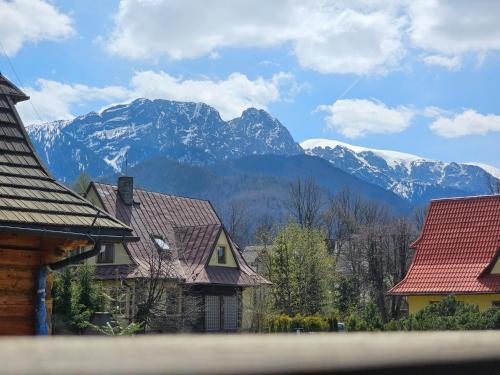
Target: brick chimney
(126, 189)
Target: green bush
(315, 324)
(278, 323)
(449, 314)
(285, 323)
(354, 322)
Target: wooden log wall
(20, 260)
(18, 275)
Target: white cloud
(229, 96)
(357, 36)
(455, 27)
(328, 37)
(355, 118)
(469, 122)
(451, 63)
(56, 100)
(24, 21)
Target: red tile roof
(458, 246)
(191, 227)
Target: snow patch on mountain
(410, 176)
(393, 158)
(143, 129)
(495, 172)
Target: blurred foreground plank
(361, 353)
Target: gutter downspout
(41, 326)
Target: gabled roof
(30, 198)
(190, 226)
(458, 246)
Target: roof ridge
(470, 197)
(156, 192)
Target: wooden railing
(367, 353)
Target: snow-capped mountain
(195, 134)
(189, 132)
(411, 177)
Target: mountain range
(412, 177)
(186, 148)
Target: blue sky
(418, 77)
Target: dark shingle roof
(190, 226)
(30, 197)
(458, 246)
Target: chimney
(126, 189)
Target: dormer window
(107, 254)
(221, 254)
(161, 243)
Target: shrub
(449, 314)
(278, 323)
(354, 322)
(315, 324)
(285, 323)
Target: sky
(420, 77)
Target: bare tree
(158, 298)
(403, 232)
(305, 201)
(341, 220)
(237, 220)
(418, 216)
(265, 232)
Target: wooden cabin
(201, 258)
(457, 253)
(40, 222)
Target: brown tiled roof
(459, 244)
(30, 198)
(191, 227)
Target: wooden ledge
(360, 353)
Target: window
(221, 255)
(107, 254)
(495, 304)
(161, 243)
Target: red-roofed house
(203, 258)
(457, 253)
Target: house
(457, 253)
(202, 260)
(41, 221)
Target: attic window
(221, 255)
(161, 243)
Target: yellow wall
(230, 261)
(484, 301)
(121, 256)
(496, 267)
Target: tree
(265, 232)
(237, 220)
(302, 272)
(162, 304)
(305, 201)
(402, 233)
(77, 298)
